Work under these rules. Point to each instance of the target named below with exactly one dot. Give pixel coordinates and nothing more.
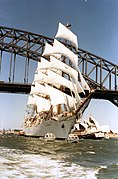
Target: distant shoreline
(113, 135)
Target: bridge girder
(99, 73)
(23, 43)
(104, 70)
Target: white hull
(60, 128)
(72, 138)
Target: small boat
(21, 133)
(49, 137)
(99, 135)
(106, 136)
(72, 138)
(93, 135)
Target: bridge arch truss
(101, 74)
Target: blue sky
(95, 22)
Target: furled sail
(65, 33)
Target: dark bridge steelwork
(15, 44)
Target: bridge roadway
(15, 88)
(19, 88)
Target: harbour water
(25, 158)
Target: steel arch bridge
(17, 45)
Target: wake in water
(26, 158)
(15, 164)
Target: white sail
(57, 79)
(58, 65)
(58, 97)
(43, 78)
(32, 89)
(59, 48)
(55, 63)
(39, 89)
(42, 104)
(83, 82)
(65, 33)
(40, 77)
(31, 101)
(48, 51)
(44, 63)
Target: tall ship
(59, 92)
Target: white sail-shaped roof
(42, 104)
(87, 122)
(59, 48)
(83, 82)
(65, 33)
(95, 122)
(58, 97)
(57, 79)
(84, 125)
(31, 100)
